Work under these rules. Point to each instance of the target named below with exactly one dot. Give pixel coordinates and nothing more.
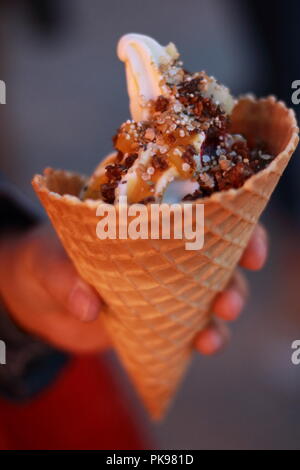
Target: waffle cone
(159, 295)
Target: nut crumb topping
(188, 131)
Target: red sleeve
(84, 409)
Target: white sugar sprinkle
(150, 170)
(164, 149)
(186, 167)
(265, 156)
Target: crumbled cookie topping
(186, 130)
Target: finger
(70, 334)
(212, 339)
(255, 255)
(229, 303)
(54, 271)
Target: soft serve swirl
(177, 145)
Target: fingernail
(84, 303)
(229, 304)
(210, 342)
(236, 303)
(216, 341)
(263, 233)
(262, 248)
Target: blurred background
(66, 95)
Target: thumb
(52, 269)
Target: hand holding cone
(159, 295)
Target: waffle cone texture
(159, 295)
